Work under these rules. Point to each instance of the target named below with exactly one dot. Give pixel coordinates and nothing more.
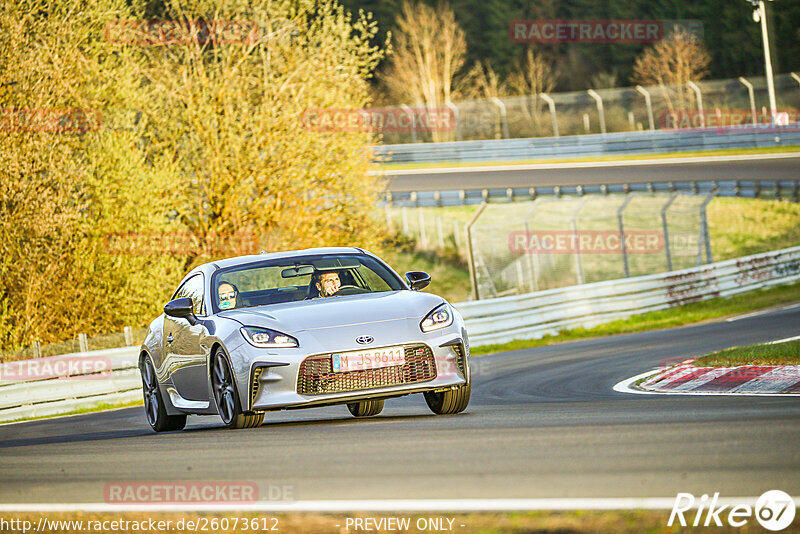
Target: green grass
(740, 227)
(787, 353)
(99, 408)
(630, 157)
(449, 273)
(673, 317)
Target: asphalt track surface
(765, 168)
(543, 422)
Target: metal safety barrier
(768, 189)
(61, 384)
(611, 144)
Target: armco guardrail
(488, 321)
(612, 144)
(537, 314)
(61, 384)
(769, 189)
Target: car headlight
(441, 317)
(266, 338)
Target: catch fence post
(471, 252)
(665, 230)
(620, 214)
(83, 342)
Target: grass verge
(629, 157)
(98, 408)
(786, 353)
(695, 312)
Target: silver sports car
(247, 335)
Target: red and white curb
(686, 379)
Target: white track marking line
(399, 505)
(753, 314)
(583, 164)
(783, 340)
(626, 386)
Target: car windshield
(301, 278)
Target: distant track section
(756, 175)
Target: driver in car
(328, 284)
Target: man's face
(328, 284)
(227, 297)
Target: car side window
(193, 288)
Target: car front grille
(316, 374)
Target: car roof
(255, 258)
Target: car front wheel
(449, 402)
(227, 399)
(366, 408)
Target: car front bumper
(273, 376)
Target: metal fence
(516, 248)
(626, 109)
(535, 315)
(557, 242)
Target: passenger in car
(228, 296)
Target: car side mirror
(181, 307)
(418, 279)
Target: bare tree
(429, 49)
(481, 82)
(533, 76)
(672, 63)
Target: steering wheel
(350, 290)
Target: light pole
(760, 15)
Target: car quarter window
(192, 288)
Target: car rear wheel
(154, 406)
(365, 408)
(449, 402)
(226, 397)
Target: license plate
(358, 360)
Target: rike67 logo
(774, 510)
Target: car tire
(366, 408)
(227, 398)
(449, 402)
(154, 407)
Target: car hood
(292, 317)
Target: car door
(185, 358)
